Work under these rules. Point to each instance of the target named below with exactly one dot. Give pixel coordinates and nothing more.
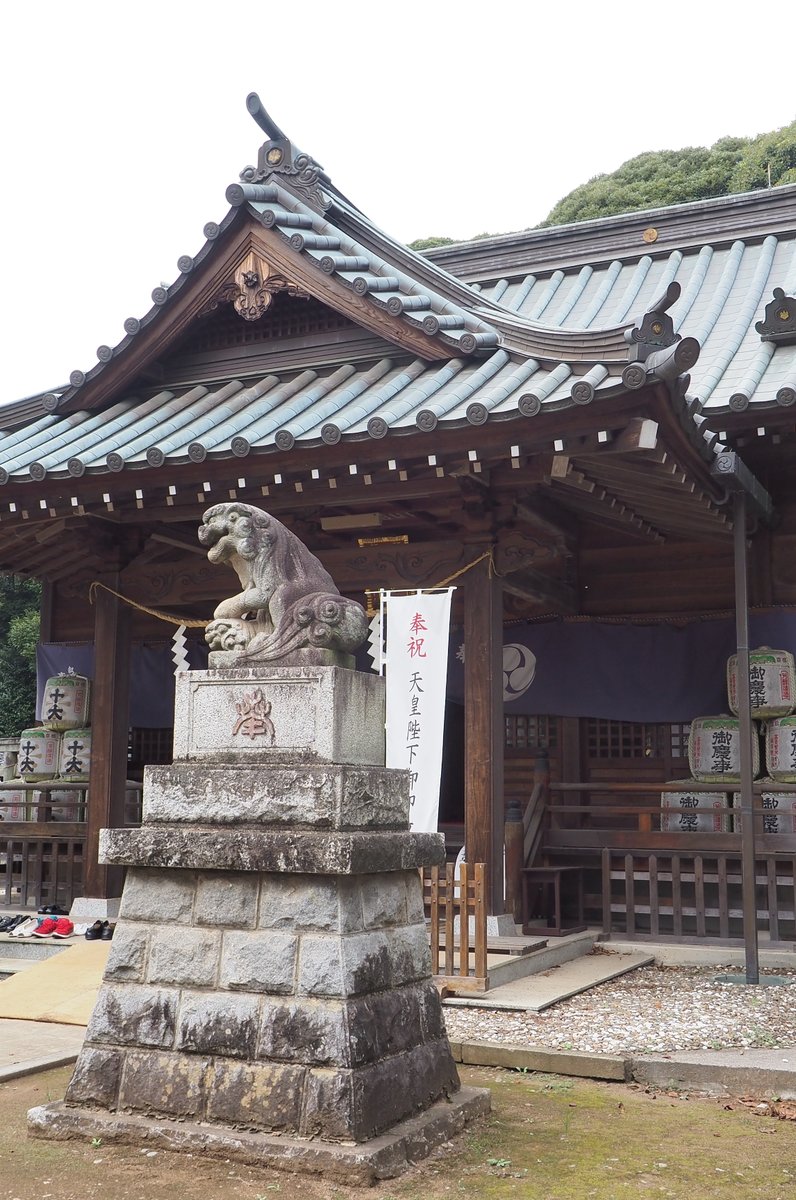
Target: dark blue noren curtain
(655, 673)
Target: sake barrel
(66, 701)
(65, 806)
(781, 749)
(714, 750)
(75, 760)
(690, 811)
(9, 748)
(14, 806)
(38, 754)
(772, 683)
(778, 810)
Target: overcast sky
(123, 124)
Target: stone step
(541, 990)
(557, 951)
(29, 948)
(10, 966)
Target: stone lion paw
(228, 634)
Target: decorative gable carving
(253, 287)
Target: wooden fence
(456, 907)
(38, 870)
(41, 858)
(695, 896)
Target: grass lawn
(548, 1138)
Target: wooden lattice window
(629, 739)
(529, 732)
(622, 739)
(147, 746)
(678, 746)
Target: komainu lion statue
(288, 611)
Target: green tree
(659, 178)
(430, 242)
(19, 634)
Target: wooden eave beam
(543, 513)
(564, 475)
(678, 444)
(535, 586)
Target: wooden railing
(672, 884)
(689, 896)
(523, 832)
(633, 822)
(456, 908)
(42, 858)
(41, 870)
(533, 817)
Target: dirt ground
(548, 1138)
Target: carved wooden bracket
(253, 287)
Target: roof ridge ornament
(779, 323)
(655, 330)
(298, 172)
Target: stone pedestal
(268, 986)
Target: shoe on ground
(26, 927)
(64, 928)
(46, 928)
(107, 931)
(94, 932)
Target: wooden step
(537, 992)
(501, 945)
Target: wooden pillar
(483, 727)
(109, 709)
(46, 612)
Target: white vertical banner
(418, 626)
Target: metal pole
(749, 884)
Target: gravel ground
(651, 1010)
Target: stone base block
(256, 714)
(362, 1164)
(90, 908)
(312, 795)
(289, 851)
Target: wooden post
(109, 708)
(483, 727)
(46, 612)
(746, 732)
(515, 859)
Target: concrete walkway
(30, 1046)
(27, 1046)
(764, 1073)
(534, 993)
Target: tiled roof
(726, 283)
(561, 335)
(362, 400)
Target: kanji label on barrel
(416, 675)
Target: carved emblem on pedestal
(254, 716)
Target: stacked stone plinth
(270, 970)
